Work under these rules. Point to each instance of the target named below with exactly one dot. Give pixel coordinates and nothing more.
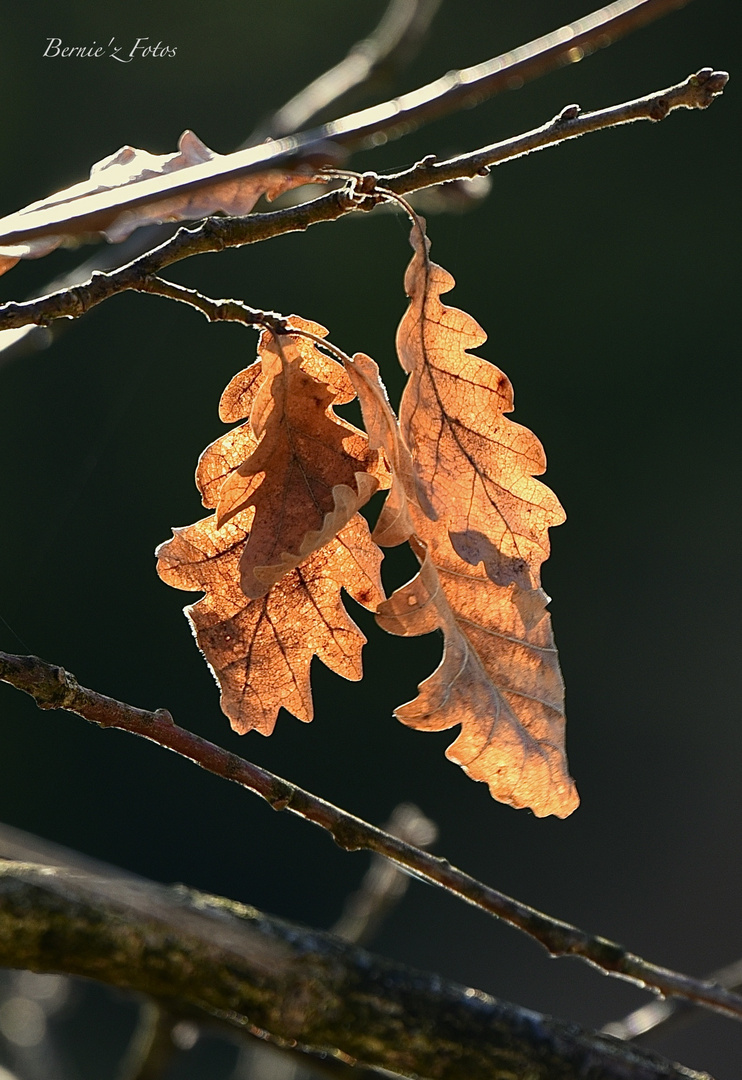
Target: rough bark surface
(230, 961)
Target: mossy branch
(301, 987)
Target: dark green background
(605, 272)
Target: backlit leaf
(474, 468)
(131, 188)
(499, 679)
(261, 650)
(309, 471)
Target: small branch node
(52, 687)
(366, 183)
(59, 690)
(569, 112)
(345, 836)
(274, 321)
(164, 715)
(659, 109)
(360, 191)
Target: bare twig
(390, 46)
(298, 987)
(384, 884)
(656, 1014)
(369, 63)
(215, 234)
(151, 1048)
(456, 90)
(214, 310)
(54, 688)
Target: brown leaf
(230, 451)
(499, 678)
(261, 650)
(140, 196)
(474, 469)
(7, 262)
(394, 525)
(309, 472)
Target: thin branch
(384, 884)
(215, 310)
(656, 1014)
(368, 63)
(696, 92)
(54, 688)
(151, 1048)
(391, 45)
(452, 92)
(298, 986)
(383, 887)
(215, 234)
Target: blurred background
(605, 272)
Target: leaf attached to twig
(130, 188)
(474, 468)
(499, 678)
(309, 471)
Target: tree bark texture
(302, 987)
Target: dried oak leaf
(309, 470)
(261, 650)
(141, 197)
(228, 452)
(499, 678)
(474, 468)
(394, 524)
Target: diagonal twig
(454, 91)
(390, 46)
(368, 63)
(54, 688)
(662, 1014)
(151, 1048)
(384, 884)
(215, 234)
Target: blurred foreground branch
(74, 212)
(368, 64)
(225, 960)
(664, 1014)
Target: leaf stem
(54, 688)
